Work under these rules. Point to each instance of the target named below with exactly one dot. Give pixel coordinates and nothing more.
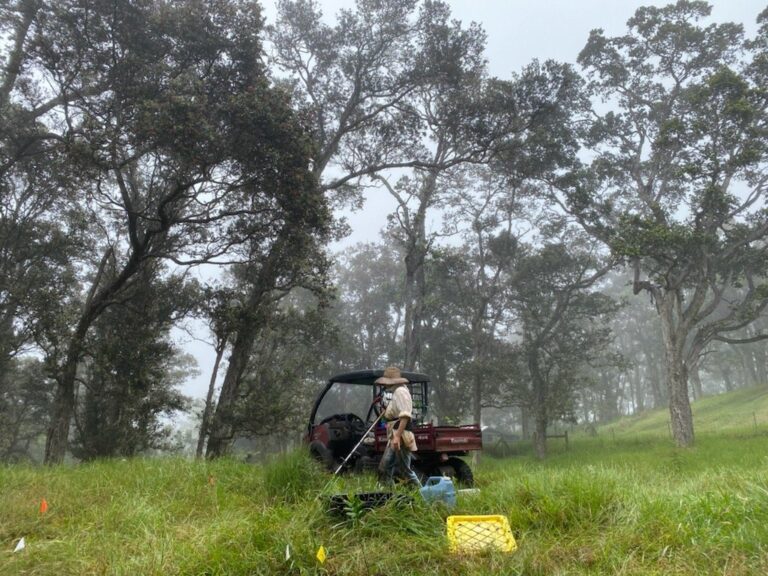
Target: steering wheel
(349, 417)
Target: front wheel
(462, 472)
(322, 454)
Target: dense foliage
(176, 163)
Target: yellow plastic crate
(474, 533)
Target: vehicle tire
(423, 474)
(462, 472)
(365, 464)
(323, 455)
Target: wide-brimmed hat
(391, 377)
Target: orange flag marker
(43, 506)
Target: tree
(131, 371)
(350, 79)
(347, 81)
(452, 107)
(25, 398)
(368, 310)
(219, 307)
(292, 259)
(40, 227)
(36, 269)
(356, 81)
(284, 368)
(447, 333)
(677, 184)
(563, 325)
(526, 141)
(489, 214)
(167, 118)
(373, 84)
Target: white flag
(287, 552)
(20, 546)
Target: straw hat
(391, 377)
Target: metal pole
(358, 444)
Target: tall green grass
(618, 509)
(621, 503)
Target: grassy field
(735, 412)
(624, 502)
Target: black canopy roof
(369, 376)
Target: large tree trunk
(15, 59)
(57, 439)
(659, 398)
(540, 416)
(415, 277)
(222, 429)
(205, 421)
(727, 381)
(414, 305)
(674, 337)
(695, 379)
(680, 412)
(525, 422)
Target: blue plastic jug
(439, 488)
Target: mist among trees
(568, 244)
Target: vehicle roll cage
(418, 384)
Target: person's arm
(398, 432)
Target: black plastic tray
(340, 504)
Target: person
(401, 443)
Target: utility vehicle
(348, 406)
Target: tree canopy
(165, 163)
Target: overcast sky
(518, 31)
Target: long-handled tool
(358, 444)
(340, 503)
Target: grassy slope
(625, 502)
(733, 412)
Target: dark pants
(397, 462)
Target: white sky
(518, 31)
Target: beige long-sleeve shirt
(400, 405)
